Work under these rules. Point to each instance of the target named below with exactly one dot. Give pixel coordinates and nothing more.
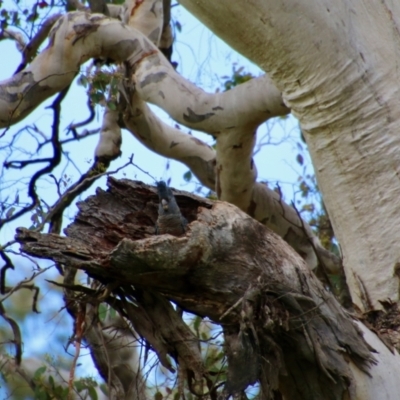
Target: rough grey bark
(281, 327)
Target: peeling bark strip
(276, 316)
(194, 118)
(153, 78)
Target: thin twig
(230, 309)
(84, 182)
(24, 285)
(17, 334)
(145, 172)
(8, 265)
(54, 161)
(79, 329)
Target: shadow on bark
(281, 328)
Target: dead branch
(286, 318)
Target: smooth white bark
(110, 139)
(74, 39)
(383, 384)
(171, 142)
(145, 16)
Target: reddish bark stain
(199, 142)
(136, 6)
(144, 55)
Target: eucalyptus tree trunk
(336, 63)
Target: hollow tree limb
(228, 267)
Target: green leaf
(178, 26)
(300, 159)
(40, 394)
(92, 393)
(79, 385)
(96, 97)
(82, 81)
(112, 106)
(39, 372)
(187, 176)
(113, 313)
(102, 311)
(10, 212)
(196, 323)
(158, 396)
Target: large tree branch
(170, 142)
(246, 105)
(74, 39)
(227, 267)
(113, 347)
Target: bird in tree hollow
(170, 219)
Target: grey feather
(170, 219)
